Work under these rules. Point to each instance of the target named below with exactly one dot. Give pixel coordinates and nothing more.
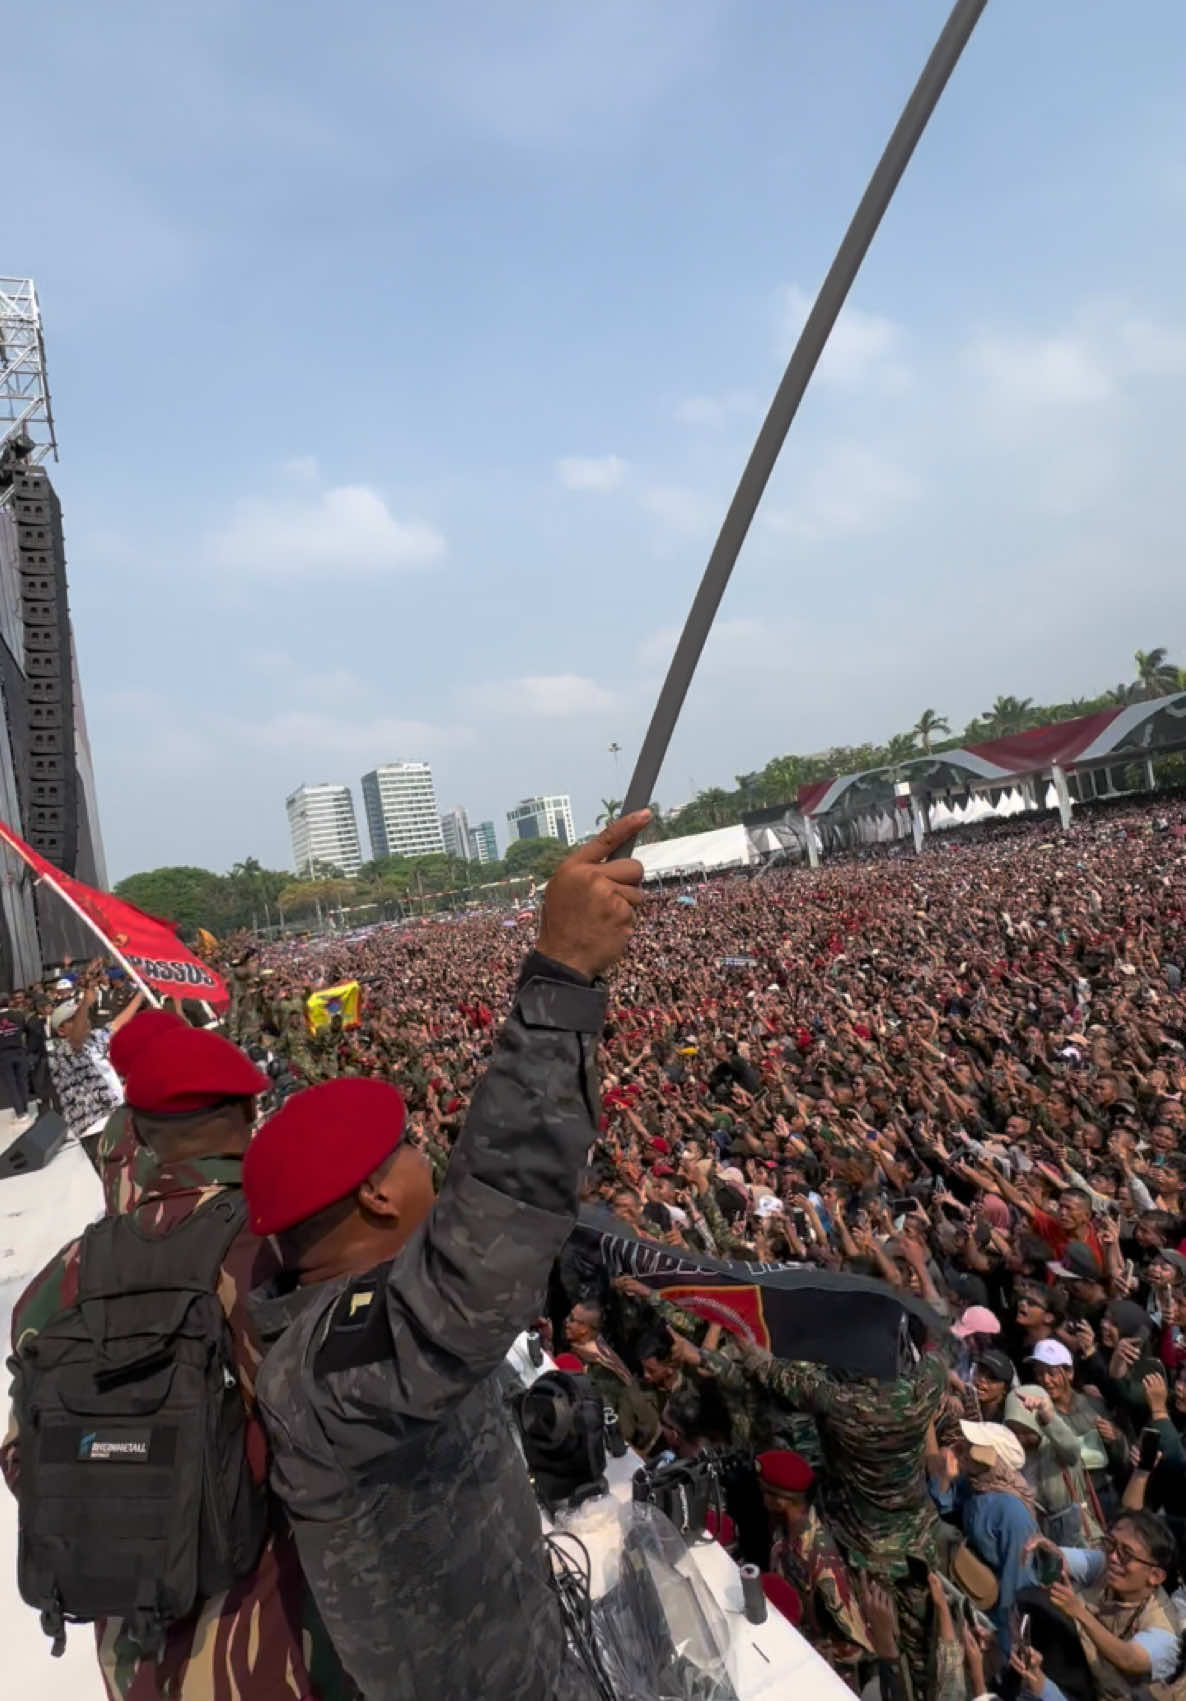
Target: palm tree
(1156, 676)
(611, 808)
(900, 748)
(927, 725)
(717, 806)
(1009, 714)
(1120, 694)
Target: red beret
(785, 1471)
(659, 1144)
(143, 1030)
(321, 1144)
(783, 1596)
(188, 1069)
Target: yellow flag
(344, 1001)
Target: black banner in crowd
(845, 1323)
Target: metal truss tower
(25, 406)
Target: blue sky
(404, 364)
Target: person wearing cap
(804, 1551)
(83, 1079)
(1079, 1266)
(1064, 1499)
(191, 1097)
(992, 1378)
(1052, 1365)
(392, 1452)
(974, 1331)
(977, 1483)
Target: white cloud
(678, 509)
(555, 696)
(852, 490)
(1024, 371)
(347, 529)
(1148, 348)
(321, 732)
(1101, 348)
(714, 411)
(591, 472)
(864, 349)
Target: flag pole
(44, 880)
(849, 256)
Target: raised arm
(476, 1270)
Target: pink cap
(976, 1320)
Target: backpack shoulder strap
(120, 1261)
(118, 1257)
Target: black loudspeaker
(562, 1425)
(35, 1147)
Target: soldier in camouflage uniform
(263, 1639)
(392, 1452)
(873, 1436)
(804, 1551)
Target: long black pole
(814, 335)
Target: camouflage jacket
(832, 1616)
(392, 1450)
(873, 1439)
(262, 1640)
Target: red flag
(149, 946)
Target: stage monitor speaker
(35, 1147)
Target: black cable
(857, 238)
(572, 1585)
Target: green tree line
(251, 896)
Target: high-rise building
(483, 842)
(47, 784)
(455, 830)
(324, 830)
(401, 806)
(542, 818)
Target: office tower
(324, 830)
(483, 842)
(455, 831)
(542, 818)
(401, 810)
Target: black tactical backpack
(136, 1498)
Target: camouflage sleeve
(476, 1270)
(725, 1367)
(726, 1240)
(684, 1321)
(801, 1384)
(438, 1161)
(949, 1672)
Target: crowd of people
(963, 1075)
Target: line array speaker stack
(49, 786)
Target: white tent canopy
(697, 853)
